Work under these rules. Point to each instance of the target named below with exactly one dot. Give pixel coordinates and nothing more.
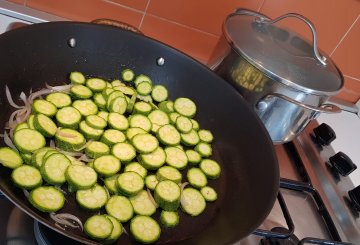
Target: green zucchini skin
(55, 203)
(167, 195)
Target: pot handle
(317, 55)
(324, 108)
(118, 24)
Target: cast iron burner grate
(291, 240)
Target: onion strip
(152, 198)
(26, 193)
(84, 146)
(9, 142)
(85, 158)
(61, 88)
(71, 217)
(66, 135)
(65, 222)
(9, 98)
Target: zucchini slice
(96, 84)
(151, 181)
(93, 198)
(44, 107)
(100, 100)
(117, 83)
(116, 232)
(10, 158)
(77, 77)
(173, 116)
(47, 199)
(130, 183)
(208, 193)
(127, 75)
(69, 139)
(45, 125)
(81, 92)
(159, 93)
(54, 167)
(176, 157)
(169, 218)
(21, 126)
(59, 99)
(193, 156)
(142, 107)
(140, 121)
(144, 88)
(211, 168)
(145, 143)
(104, 115)
(183, 124)
(150, 234)
(26, 157)
(107, 165)
(195, 124)
(85, 107)
(118, 105)
(205, 136)
(125, 89)
(97, 149)
(142, 204)
(68, 117)
(37, 157)
(185, 107)
(26, 177)
(30, 121)
(169, 173)
(167, 195)
(192, 202)
(131, 132)
(90, 132)
(196, 178)
(113, 95)
(95, 121)
(153, 160)
(142, 78)
(112, 136)
(137, 168)
(98, 227)
(124, 151)
(204, 149)
(118, 121)
(81, 177)
(168, 135)
(110, 183)
(120, 208)
(28, 140)
(159, 118)
(190, 139)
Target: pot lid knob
(324, 134)
(342, 164)
(354, 195)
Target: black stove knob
(324, 134)
(342, 164)
(354, 195)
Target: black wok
(38, 54)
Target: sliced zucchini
(21, 126)
(169, 173)
(142, 204)
(108, 85)
(98, 227)
(47, 199)
(59, 99)
(142, 107)
(204, 149)
(196, 178)
(81, 177)
(142, 78)
(145, 98)
(95, 121)
(113, 95)
(193, 156)
(106, 92)
(145, 143)
(140, 121)
(124, 151)
(211, 168)
(120, 208)
(100, 101)
(144, 88)
(168, 135)
(68, 117)
(167, 195)
(85, 107)
(69, 139)
(166, 106)
(125, 89)
(96, 84)
(169, 218)
(117, 83)
(183, 124)
(44, 107)
(159, 118)
(112, 136)
(26, 177)
(176, 157)
(26, 157)
(107, 165)
(118, 105)
(110, 183)
(10, 158)
(118, 121)
(195, 124)
(130, 183)
(97, 149)
(151, 181)
(190, 139)
(54, 167)
(45, 125)
(137, 168)
(192, 202)
(159, 93)
(104, 115)
(209, 193)
(77, 77)
(150, 234)
(116, 232)
(127, 75)
(37, 157)
(90, 132)
(173, 116)
(153, 160)
(185, 107)
(81, 92)
(205, 136)
(131, 132)
(93, 198)
(28, 140)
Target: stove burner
(47, 236)
(292, 240)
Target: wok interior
(39, 54)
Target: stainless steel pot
(286, 79)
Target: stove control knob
(324, 134)
(342, 164)
(354, 195)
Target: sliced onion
(72, 154)
(125, 231)
(66, 135)
(9, 142)
(73, 218)
(26, 193)
(85, 158)
(59, 226)
(107, 191)
(52, 144)
(23, 97)
(63, 221)
(9, 98)
(152, 198)
(37, 94)
(84, 146)
(61, 88)
(61, 190)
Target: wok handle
(317, 55)
(324, 108)
(118, 24)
